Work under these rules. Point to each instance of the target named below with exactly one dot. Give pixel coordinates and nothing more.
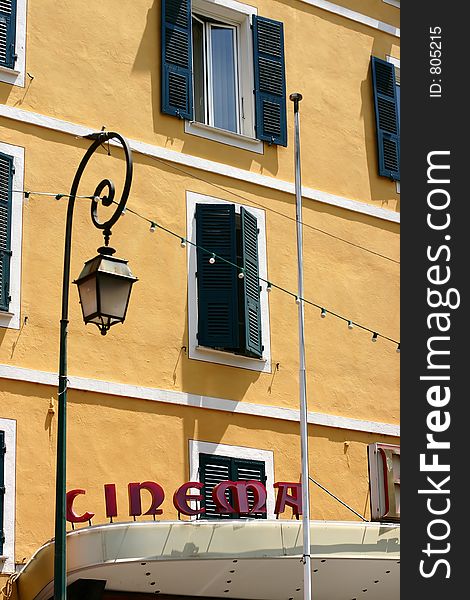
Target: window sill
(224, 137)
(11, 76)
(228, 359)
(9, 320)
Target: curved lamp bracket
(106, 184)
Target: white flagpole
(307, 572)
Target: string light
(212, 260)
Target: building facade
(200, 383)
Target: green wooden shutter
(251, 288)
(386, 116)
(212, 470)
(270, 81)
(6, 179)
(245, 469)
(2, 489)
(177, 77)
(7, 33)
(217, 283)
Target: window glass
(224, 88)
(199, 71)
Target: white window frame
(396, 63)
(197, 447)
(234, 13)
(210, 354)
(7, 559)
(16, 76)
(11, 318)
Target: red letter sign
(72, 516)
(110, 500)
(294, 500)
(240, 497)
(181, 498)
(135, 504)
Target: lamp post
(104, 287)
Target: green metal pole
(60, 551)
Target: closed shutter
(2, 489)
(213, 469)
(6, 178)
(244, 470)
(386, 116)
(249, 235)
(270, 81)
(217, 283)
(177, 79)
(7, 33)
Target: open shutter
(7, 33)
(177, 78)
(249, 232)
(2, 489)
(6, 178)
(386, 115)
(270, 81)
(217, 283)
(212, 470)
(244, 470)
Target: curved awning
(243, 559)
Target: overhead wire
(154, 225)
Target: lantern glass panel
(114, 295)
(87, 291)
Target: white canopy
(243, 559)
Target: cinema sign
(246, 497)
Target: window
(387, 118)
(7, 494)
(216, 74)
(12, 41)
(213, 469)
(11, 208)
(228, 318)
(212, 463)
(6, 180)
(212, 61)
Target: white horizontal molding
(196, 401)
(355, 16)
(203, 164)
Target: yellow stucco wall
(349, 374)
(102, 67)
(113, 440)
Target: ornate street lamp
(104, 287)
